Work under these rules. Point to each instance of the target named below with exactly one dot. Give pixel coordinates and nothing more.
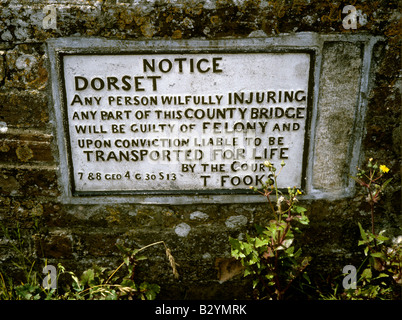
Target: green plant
(380, 274)
(271, 256)
(96, 283)
(99, 283)
(370, 179)
(24, 263)
(383, 271)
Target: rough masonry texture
(355, 116)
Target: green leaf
(382, 238)
(150, 290)
(247, 248)
(378, 255)
(126, 260)
(385, 183)
(235, 244)
(112, 295)
(255, 283)
(298, 253)
(128, 283)
(362, 233)
(247, 272)
(300, 209)
(366, 274)
(87, 277)
(366, 249)
(259, 229)
(76, 284)
(361, 242)
(261, 242)
(289, 251)
(306, 277)
(125, 250)
(304, 220)
(359, 181)
(139, 258)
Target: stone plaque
(178, 122)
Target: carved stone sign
(184, 122)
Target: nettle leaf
(233, 242)
(250, 240)
(241, 255)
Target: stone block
(19, 146)
(338, 99)
(24, 109)
(29, 181)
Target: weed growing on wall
(96, 283)
(272, 258)
(381, 271)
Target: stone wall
(78, 235)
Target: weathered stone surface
(19, 147)
(26, 68)
(234, 222)
(24, 109)
(338, 98)
(199, 216)
(29, 181)
(182, 230)
(80, 235)
(2, 68)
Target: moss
(24, 153)
(4, 147)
